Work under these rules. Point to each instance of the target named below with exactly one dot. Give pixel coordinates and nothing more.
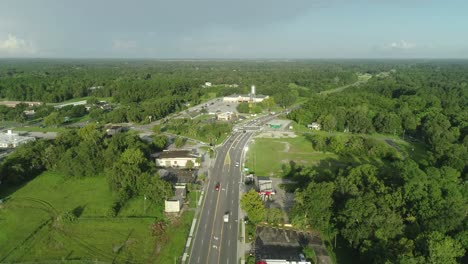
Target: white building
(239, 98)
(314, 126)
(176, 158)
(174, 204)
(224, 116)
(12, 140)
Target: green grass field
(33, 229)
(266, 156)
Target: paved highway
(216, 241)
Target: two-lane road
(215, 240)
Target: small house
(314, 126)
(174, 204)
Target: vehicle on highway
(226, 217)
(237, 164)
(217, 186)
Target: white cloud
(14, 46)
(123, 45)
(400, 45)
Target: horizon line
(228, 59)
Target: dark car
(217, 186)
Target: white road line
(198, 261)
(206, 224)
(229, 243)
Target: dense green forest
(406, 209)
(157, 88)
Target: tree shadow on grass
(78, 211)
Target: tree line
(400, 210)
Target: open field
(34, 224)
(107, 99)
(267, 155)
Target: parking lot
(212, 107)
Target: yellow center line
(212, 229)
(227, 159)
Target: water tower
(252, 93)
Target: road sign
(246, 169)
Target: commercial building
(12, 140)
(265, 187)
(225, 116)
(240, 98)
(177, 158)
(275, 245)
(252, 97)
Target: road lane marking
(212, 229)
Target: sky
(235, 29)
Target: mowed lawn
(266, 155)
(33, 226)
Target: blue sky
(234, 29)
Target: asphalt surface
(216, 241)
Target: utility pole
(144, 204)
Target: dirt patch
(287, 146)
(276, 134)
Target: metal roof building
(12, 140)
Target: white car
(302, 258)
(237, 164)
(226, 217)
